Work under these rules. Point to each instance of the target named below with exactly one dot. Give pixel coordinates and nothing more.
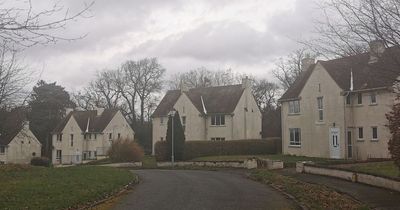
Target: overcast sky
(247, 36)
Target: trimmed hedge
(194, 149)
(41, 161)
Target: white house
(87, 135)
(212, 113)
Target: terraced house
(87, 135)
(336, 108)
(213, 113)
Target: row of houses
(335, 109)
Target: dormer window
(59, 137)
(294, 107)
(372, 98)
(348, 99)
(359, 98)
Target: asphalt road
(194, 189)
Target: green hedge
(194, 149)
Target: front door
(349, 145)
(334, 142)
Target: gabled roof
(12, 123)
(84, 118)
(220, 99)
(365, 75)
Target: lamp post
(172, 114)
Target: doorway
(349, 145)
(334, 143)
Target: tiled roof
(96, 123)
(12, 123)
(365, 75)
(219, 99)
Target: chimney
(306, 62)
(99, 111)
(68, 110)
(26, 125)
(246, 83)
(183, 87)
(376, 49)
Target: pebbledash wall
(97, 144)
(243, 123)
(337, 114)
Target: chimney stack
(99, 110)
(68, 110)
(246, 83)
(306, 62)
(183, 87)
(376, 49)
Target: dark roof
(11, 124)
(219, 99)
(365, 75)
(96, 123)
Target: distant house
(87, 135)
(17, 143)
(336, 108)
(212, 113)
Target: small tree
(125, 150)
(394, 127)
(179, 137)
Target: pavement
(195, 189)
(374, 197)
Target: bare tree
(148, 74)
(127, 85)
(266, 94)
(104, 85)
(349, 25)
(13, 77)
(24, 26)
(287, 69)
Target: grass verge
(289, 160)
(309, 195)
(25, 187)
(387, 168)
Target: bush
(125, 150)
(41, 161)
(160, 151)
(194, 149)
(394, 125)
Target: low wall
(307, 167)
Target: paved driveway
(193, 189)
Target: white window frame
(320, 107)
(371, 96)
(294, 107)
(161, 120)
(218, 120)
(2, 150)
(362, 132)
(292, 133)
(58, 154)
(372, 130)
(348, 99)
(359, 98)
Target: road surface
(195, 189)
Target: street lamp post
(172, 114)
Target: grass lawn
(289, 160)
(309, 195)
(387, 168)
(26, 187)
(149, 162)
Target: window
(95, 153)
(84, 136)
(95, 136)
(348, 99)
(295, 137)
(90, 136)
(110, 136)
(72, 140)
(372, 98)
(2, 149)
(217, 120)
(161, 120)
(294, 107)
(119, 135)
(58, 154)
(59, 137)
(360, 133)
(33, 154)
(374, 133)
(162, 138)
(359, 98)
(218, 139)
(184, 122)
(320, 108)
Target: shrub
(41, 161)
(194, 149)
(125, 150)
(394, 127)
(160, 151)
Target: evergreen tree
(394, 127)
(179, 137)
